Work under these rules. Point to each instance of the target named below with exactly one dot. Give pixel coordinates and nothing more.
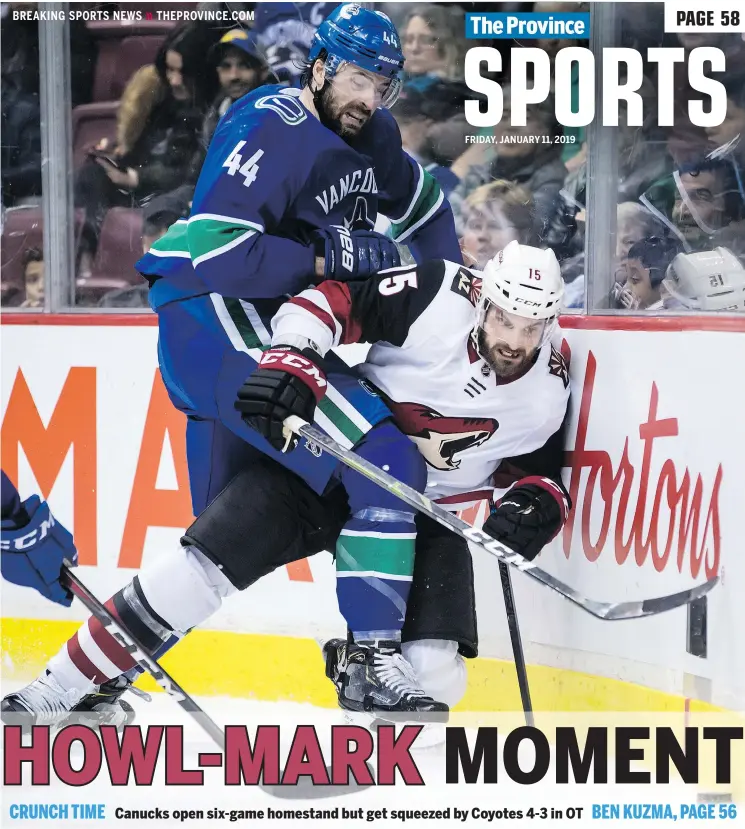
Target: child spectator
(33, 278)
(645, 267)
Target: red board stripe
(695, 322)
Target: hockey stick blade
(607, 611)
(140, 655)
(306, 790)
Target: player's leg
(441, 626)
(375, 565)
(185, 586)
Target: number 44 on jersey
(248, 169)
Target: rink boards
(658, 471)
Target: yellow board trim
(274, 668)
(280, 668)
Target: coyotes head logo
(440, 438)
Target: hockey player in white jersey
(465, 362)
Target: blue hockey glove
(33, 548)
(354, 254)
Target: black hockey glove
(530, 515)
(286, 382)
(354, 254)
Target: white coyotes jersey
(445, 397)
(441, 393)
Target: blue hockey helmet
(368, 39)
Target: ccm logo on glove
(294, 363)
(25, 542)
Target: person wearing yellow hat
(241, 68)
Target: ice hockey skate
(377, 680)
(45, 702)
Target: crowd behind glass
(147, 96)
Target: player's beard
(504, 365)
(330, 113)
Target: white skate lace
(395, 672)
(47, 699)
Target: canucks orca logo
(441, 438)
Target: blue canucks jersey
(273, 174)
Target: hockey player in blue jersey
(288, 197)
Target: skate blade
(90, 719)
(424, 718)
(431, 737)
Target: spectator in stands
(20, 152)
(20, 149)
(418, 117)
(551, 45)
(157, 216)
(285, 31)
(158, 131)
(645, 267)
(19, 45)
(432, 44)
(732, 130)
(447, 135)
(707, 200)
(495, 215)
(163, 211)
(240, 69)
(537, 167)
(33, 278)
(634, 222)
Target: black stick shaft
(517, 644)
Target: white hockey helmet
(524, 281)
(712, 280)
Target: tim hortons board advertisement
(371, 442)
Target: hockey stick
(140, 655)
(607, 611)
(517, 645)
(171, 687)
